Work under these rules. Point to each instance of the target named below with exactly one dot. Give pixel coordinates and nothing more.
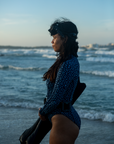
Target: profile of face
(57, 42)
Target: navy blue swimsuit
(62, 91)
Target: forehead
(56, 35)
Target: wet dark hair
(66, 29)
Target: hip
(63, 129)
(72, 115)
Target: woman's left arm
(65, 75)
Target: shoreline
(13, 121)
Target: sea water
(21, 84)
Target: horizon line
(51, 46)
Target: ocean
(22, 87)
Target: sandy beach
(13, 121)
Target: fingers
(43, 118)
(39, 108)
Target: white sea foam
(102, 48)
(81, 49)
(26, 51)
(88, 55)
(100, 73)
(19, 104)
(104, 52)
(87, 114)
(20, 68)
(94, 115)
(100, 59)
(49, 56)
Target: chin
(56, 50)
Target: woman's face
(57, 43)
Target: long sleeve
(65, 75)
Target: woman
(62, 79)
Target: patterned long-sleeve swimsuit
(62, 91)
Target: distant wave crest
(105, 52)
(25, 52)
(100, 73)
(22, 104)
(49, 56)
(94, 115)
(87, 114)
(20, 68)
(100, 59)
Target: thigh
(63, 130)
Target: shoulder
(71, 63)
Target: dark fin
(41, 130)
(28, 132)
(78, 91)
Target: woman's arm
(65, 75)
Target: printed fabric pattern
(62, 91)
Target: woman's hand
(43, 118)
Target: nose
(52, 41)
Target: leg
(63, 130)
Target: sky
(26, 22)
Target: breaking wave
(20, 68)
(100, 73)
(94, 115)
(49, 56)
(105, 52)
(87, 114)
(100, 59)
